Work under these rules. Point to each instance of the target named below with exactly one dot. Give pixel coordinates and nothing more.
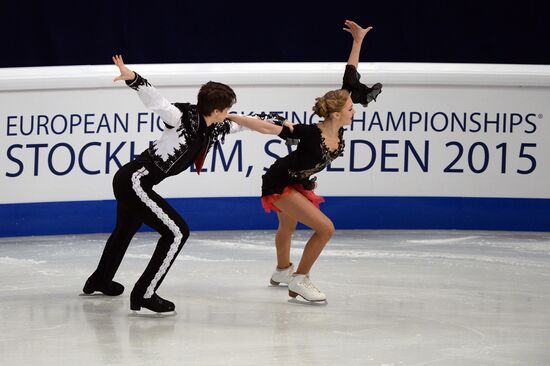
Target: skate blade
(94, 294)
(277, 284)
(302, 301)
(146, 313)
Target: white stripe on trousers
(166, 220)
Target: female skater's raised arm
(358, 35)
(360, 93)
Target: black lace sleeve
(137, 82)
(285, 133)
(293, 137)
(360, 93)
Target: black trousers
(137, 204)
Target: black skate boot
(111, 289)
(155, 304)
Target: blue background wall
(51, 218)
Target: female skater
(190, 132)
(287, 186)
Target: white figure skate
(300, 285)
(281, 276)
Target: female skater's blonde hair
(332, 101)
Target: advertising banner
(432, 139)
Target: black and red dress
(312, 155)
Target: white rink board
(421, 105)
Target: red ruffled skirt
(267, 201)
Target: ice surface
(394, 298)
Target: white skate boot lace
(307, 284)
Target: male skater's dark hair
(213, 95)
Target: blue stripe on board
(246, 213)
